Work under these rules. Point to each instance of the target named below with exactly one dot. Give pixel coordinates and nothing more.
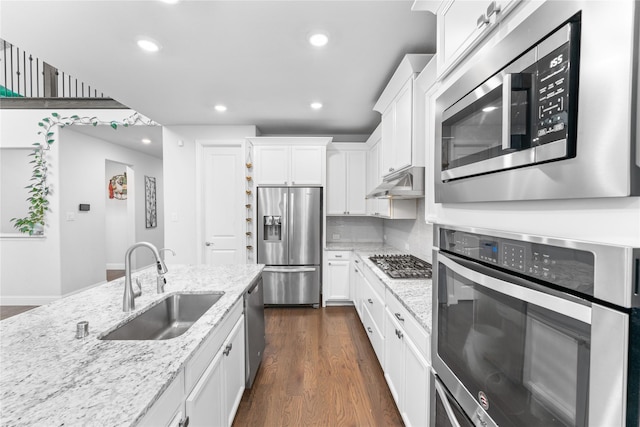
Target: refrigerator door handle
(289, 270)
(291, 224)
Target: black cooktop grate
(402, 266)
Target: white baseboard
(27, 300)
(115, 266)
(77, 291)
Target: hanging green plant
(38, 189)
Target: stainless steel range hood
(406, 184)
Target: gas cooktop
(402, 266)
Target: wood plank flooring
(318, 369)
(7, 311)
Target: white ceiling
(128, 137)
(252, 56)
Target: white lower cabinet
(215, 398)
(337, 281)
(209, 389)
(407, 373)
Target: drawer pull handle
(370, 330)
(357, 262)
(338, 256)
(370, 301)
(399, 317)
(227, 349)
(399, 334)
(184, 423)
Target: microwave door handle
(447, 405)
(523, 82)
(506, 112)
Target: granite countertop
(414, 294)
(48, 377)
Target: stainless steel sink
(169, 318)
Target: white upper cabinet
(400, 147)
(289, 161)
(462, 25)
(346, 179)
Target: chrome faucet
(161, 281)
(128, 301)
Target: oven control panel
(565, 267)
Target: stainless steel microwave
(549, 112)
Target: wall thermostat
(84, 207)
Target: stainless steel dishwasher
(254, 329)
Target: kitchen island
(48, 377)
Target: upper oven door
(512, 354)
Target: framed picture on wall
(151, 213)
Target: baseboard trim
(27, 300)
(115, 266)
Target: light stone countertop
(50, 378)
(414, 294)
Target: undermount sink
(169, 318)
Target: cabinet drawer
(374, 281)
(199, 362)
(374, 334)
(373, 303)
(338, 255)
(411, 327)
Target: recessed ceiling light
(146, 141)
(148, 45)
(316, 105)
(318, 39)
(488, 109)
(220, 108)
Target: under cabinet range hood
(406, 184)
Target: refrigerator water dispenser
(272, 227)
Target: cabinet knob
(370, 301)
(493, 8)
(208, 243)
(227, 349)
(329, 263)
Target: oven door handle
(565, 307)
(445, 403)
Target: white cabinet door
(233, 371)
(373, 176)
(416, 387)
(387, 157)
(403, 126)
(394, 358)
(336, 185)
(169, 407)
(338, 281)
(356, 182)
(306, 165)
(271, 165)
(356, 278)
(205, 404)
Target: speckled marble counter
(414, 294)
(50, 378)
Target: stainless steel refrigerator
(289, 226)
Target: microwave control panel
(565, 267)
(552, 92)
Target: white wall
(83, 243)
(116, 224)
(30, 267)
(182, 191)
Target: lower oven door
(291, 285)
(515, 353)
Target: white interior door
(223, 205)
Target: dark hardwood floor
(7, 311)
(318, 369)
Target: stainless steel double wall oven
(534, 331)
(549, 112)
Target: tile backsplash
(354, 229)
(410, 235)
